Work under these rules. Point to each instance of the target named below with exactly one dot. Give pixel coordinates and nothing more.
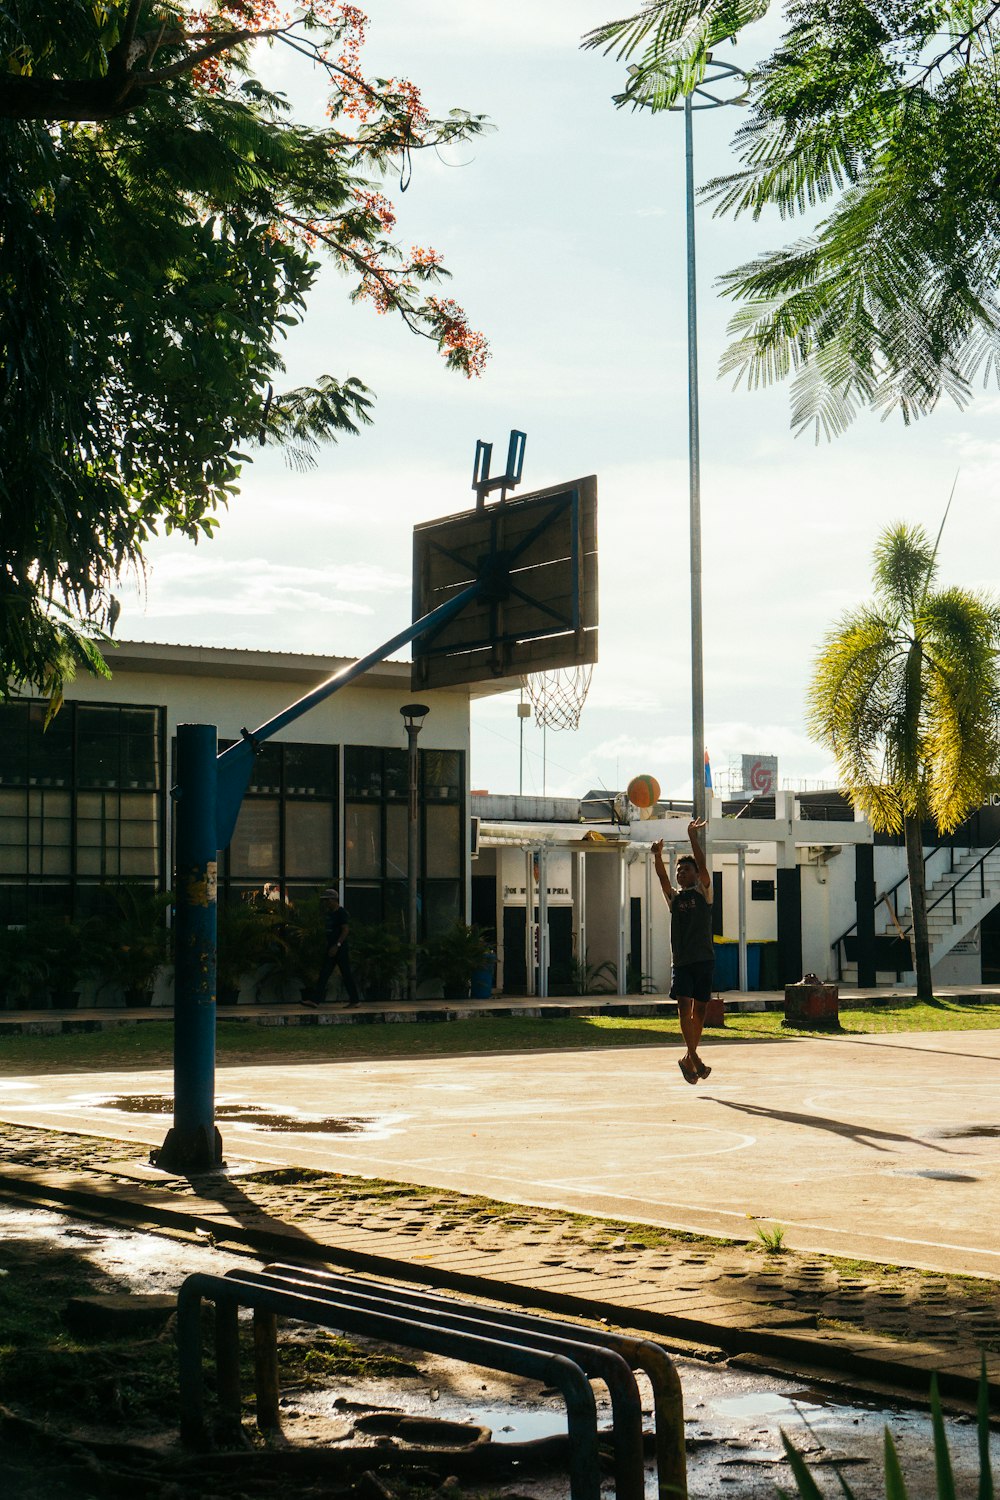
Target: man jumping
(691, 946)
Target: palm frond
(301, 420)
(675, 38)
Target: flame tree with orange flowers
(161, 222)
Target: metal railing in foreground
(562, 1355)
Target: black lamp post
(413, 718)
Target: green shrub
(453, 956)
(129, 941)
(380, 958)
(250, 935)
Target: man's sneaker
(690, 1073)
(703, 1069)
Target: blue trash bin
(482, 980)
(727, 966)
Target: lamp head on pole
(414, 715)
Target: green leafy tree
(906, 695)
(883, 114)
(161, 215)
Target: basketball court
(884, 1148)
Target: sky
(564, 232)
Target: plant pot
(138, 999)
(228, 994)
(457, 991)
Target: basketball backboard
(535, 559)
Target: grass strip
(241, 1042)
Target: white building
(801, 884)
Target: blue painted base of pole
(187, 1152)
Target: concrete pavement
(880, 1149)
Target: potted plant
(453, 956)
(292, 948)
(58, 942)
(130, 941)
(380, 958)
(23, 971)
(249, 937)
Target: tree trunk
(913, 835)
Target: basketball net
(557, 698)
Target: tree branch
(965, 40)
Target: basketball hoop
(558, 697)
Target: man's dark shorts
(692, 982)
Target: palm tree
(906, 695)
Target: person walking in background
(337, 954)
(691, 945)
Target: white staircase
(957, 901)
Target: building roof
(280, 666)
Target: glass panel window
(309, 840)
(442, 907)
(50, 751)
(97, 746)
(443, 847)
(363, 842)
(310, 771)
(397, 841)
(94, 805)
(140, 748)
(13, 744)
(97, 833)
(362, 771)
(13, 832)
(266, 773)
(396, 904)
(363, 904)
(49, 833)
(397, 774)
(139, 835)
(441, 775)
(255, 849)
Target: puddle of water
(517, 1424)
(250, 1114)
(768, 1404)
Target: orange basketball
(643, 791)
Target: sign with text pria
(760, 774)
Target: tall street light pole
(413, 718)
(704, 95)
(694, 486)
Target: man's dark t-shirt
(336, 921)
(691, 928)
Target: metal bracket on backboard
(509, 479)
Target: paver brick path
(810, 1309)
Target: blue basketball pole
(208, 793)
(194, 1144)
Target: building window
(286, 831)
(762, 890)
(82, 804)
(377, 832)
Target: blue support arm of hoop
(233, 766)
